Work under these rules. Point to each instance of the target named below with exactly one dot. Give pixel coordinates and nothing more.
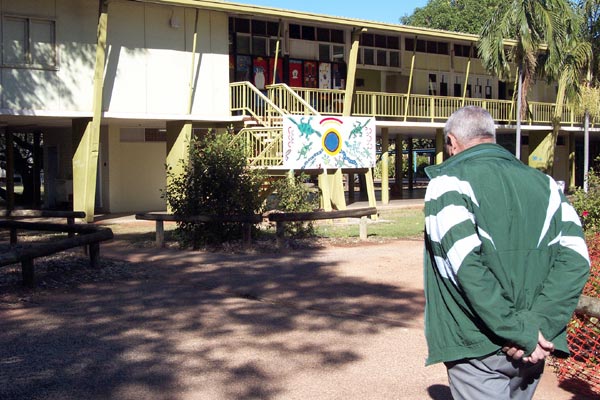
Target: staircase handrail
(282, 87)
(247, 103)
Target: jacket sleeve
(554, 306)
(457, 243)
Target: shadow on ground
(197, 325)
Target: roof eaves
(253, 10)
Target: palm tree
(531, 24)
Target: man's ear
(451, 144)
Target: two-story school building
(117, 87)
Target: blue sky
(373, 10)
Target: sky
(388, 11)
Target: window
(295, 32)
(395, 59)
(28, 42)
(324, 52)
(308, 33)
(338, 53)
(381, 58)
(369, 57)
(337, 36)
(323, 35)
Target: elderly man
(505, 262)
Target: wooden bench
(38, 214)
(87, 235)
(283, 217)
(159, 217)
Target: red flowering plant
(579, 372)
(587, 204)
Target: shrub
(215, 181)
(588, 204)
(292, 194)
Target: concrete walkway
(320, 323)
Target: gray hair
(470, 123)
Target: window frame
(29, 62)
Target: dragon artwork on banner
(325, 142)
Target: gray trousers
(495, 377)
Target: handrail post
(432, 108)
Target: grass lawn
(404, 223)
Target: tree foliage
(215, 180)
(530, 24)
(465, 16)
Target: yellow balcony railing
(248, 100)
(288, 99)
(418, 107)
(263, 146)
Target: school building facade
(117, 88)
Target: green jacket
(505, 256)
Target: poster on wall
(310, 74)
(324, 75)
(278, 71)
(260, 73)
(318, 142)
(338, 75)
(243, 66)
(295, 73)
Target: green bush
(293, 194)
(588, 204)
(216, 180)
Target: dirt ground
(329, 320)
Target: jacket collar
(483, 149)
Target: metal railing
(417, 107)
(287, 99)
(263, 146)
(245, 98)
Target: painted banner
(311, 142)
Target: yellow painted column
(86, 132)
(439, 146)
(385, 166)
(179, 134)
(541, 150)
(83, 189)
(338, 197)
(324, 185)
(351, 76)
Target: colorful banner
(295, 76)
(261, 73)
(310, 74)
(317, 142)
(324, 76)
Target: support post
(10, 171)
(325, 191)
(85, 159)
(179, 135)
(371, 190)
(398, 173)
(411, 163)
(351, 76)
(439, 146)
(572, 164)
(160, 233)
(385, 166)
